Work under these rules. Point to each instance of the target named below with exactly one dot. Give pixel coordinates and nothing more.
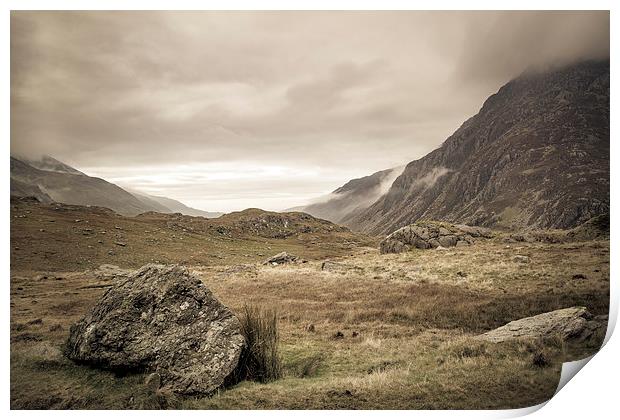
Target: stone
(574, 323)
(281, 258)
(161, 319)
(523, 259)
(447, 241)
(111, 272)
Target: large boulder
(427, 235)
(574, 324)
(161, 319)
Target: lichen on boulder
(161, 319)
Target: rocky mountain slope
(535, 156)
(48, 180)
(72, 188)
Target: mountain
(48, 163)
(169, 205)
(353, 197)
(536, 156)
(48, 179)
(74, 188)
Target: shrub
(259, 360)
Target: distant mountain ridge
(535, 156)
(353, 197)
(48, 179)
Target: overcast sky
(229, 110)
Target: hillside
(49, 179)
(535, 156)
(353, 197)
(69, 237)
(169, 205)
(73, 188)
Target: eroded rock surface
(574, 323)
(161, 319)
(426, 235)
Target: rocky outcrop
(281, 258)
(426, 235)
(161, 319)
(336, 267)
(574, 324)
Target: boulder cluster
(427, 235)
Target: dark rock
(338, 335)
(164, 320)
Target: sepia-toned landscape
(461, 278)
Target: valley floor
(407, 324)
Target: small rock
(523, 259)
(338, 335)
(579, 276)
(281, 258)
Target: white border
(592, 395)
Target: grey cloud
(343, 93)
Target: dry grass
(408, 325)
(259, 360)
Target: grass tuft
(260, 360)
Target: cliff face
(535, 156)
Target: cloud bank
(227, 110)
